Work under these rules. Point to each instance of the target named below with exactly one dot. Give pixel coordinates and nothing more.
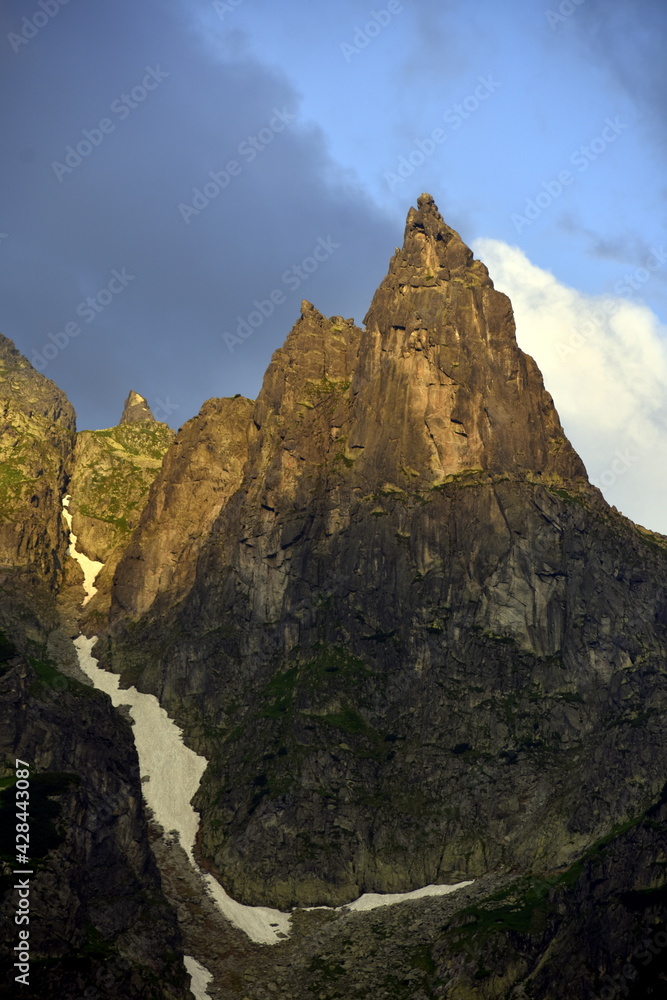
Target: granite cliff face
(441, 386)
(415, 644)
(201, 469)
(101, 925)
(112, 471)
(37, 428)
(99, 919)
(592, 931)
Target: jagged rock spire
(136, 408)
(440, 362)
(432, 251)
(438, 383)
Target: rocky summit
(412, 641)
(136, 409)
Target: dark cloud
(626, 247)
(161, 330)
(627, 38)
(165, 290)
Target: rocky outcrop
(592, 931)
(99, 922)
(201, 470)
(112, 473)
(441, 386)
(418, 645)
(37, 426)
(136, 409)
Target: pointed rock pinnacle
(136, 408)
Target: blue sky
(554, 93)
(340, 99)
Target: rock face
(100, 924)
(417, 644)
(439, 361)
(201, 470)
(592, 931)
(98, 918)
(37, 426)
(136, 409)
(112, 472)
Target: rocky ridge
(200, 471)
(100, 923)
(37, 431)
(413, 605)
(416, 646)
(112, 471)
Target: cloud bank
(604, 360)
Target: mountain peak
(29, 390)
(439, 360)
(136, 408)
(433, 252)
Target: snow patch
(90, 567)
(199, 978)
(174, 773)
(261, 923)
(173, 770)
(371, 900)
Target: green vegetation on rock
(113, 472)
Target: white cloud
(604, 361)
